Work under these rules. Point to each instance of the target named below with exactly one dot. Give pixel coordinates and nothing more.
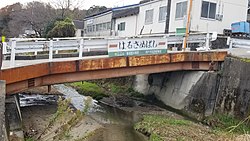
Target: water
(118, 124)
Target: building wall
(99, 19)
(78, 33)
(130, 26)
(156, 26)
(232, 11)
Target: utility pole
(168, 16)
(188, 24)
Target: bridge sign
(137, 46)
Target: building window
(108, 25)
(121, 26)
(149, 16)
(208, 10)
(181, 10)
(162, 13)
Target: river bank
(122, 115)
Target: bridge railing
(35, 45)
(238, 43)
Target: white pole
(36, 53)
(81, 49)
(50, 50)
(4, 48)
(230, 46)
(13, 53)
(207, 42)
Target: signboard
(90, 21)
(137, 46)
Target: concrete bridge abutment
(14, 118)
(3, 130)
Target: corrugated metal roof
(126, 12)
(113, 10)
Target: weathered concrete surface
(203, 93)
(3, 131)
(14, 118)
(173, 88)
(202, 96)
(141, 84)
(234, 89)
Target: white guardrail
(27, 45)
(238, 43)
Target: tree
(64, 28)
(95, 9)
(35, 16)
(5, 14)
(65, 6)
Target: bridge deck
(28, 74)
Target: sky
(88, 3)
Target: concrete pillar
(141, 84)
(3, 131)
(14, 118)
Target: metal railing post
(207, 42)
(13, 53)
(4, 48)
(51, 50)
(230, 46)
(81, 49)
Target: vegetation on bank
(228, 124)
(222, 127)
(105, 88)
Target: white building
(107, 22)
(157, 17)
(98, 24)
(208, 15)
(152, 17)
(79, 28)
(126, 21)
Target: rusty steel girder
(21, 78)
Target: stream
(118, 124)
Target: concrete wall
(234, 88)
(78, 33)
(130, 26)
(232, 11)
(174, 88)
(156, 26)
(3, 132)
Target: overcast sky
(87, 3)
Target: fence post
(207, 42)
(13, 53)
(4, 48)
(81, 49)
(51, 50)
(183, 44)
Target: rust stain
(104, 63)
(179, 57)
(62, 67)
(24, 73)
(198, 56)
(113, 46)
(149, 60)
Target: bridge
(122, 57)
(25, 74)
